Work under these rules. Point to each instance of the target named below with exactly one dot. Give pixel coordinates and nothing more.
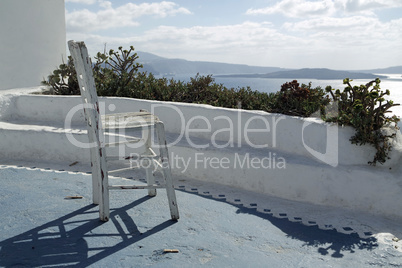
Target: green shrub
(364, 107)
(115, 71)
(303, 100)
(63, 81)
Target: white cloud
(86, 2)
(349, 24)
(297, 8)
(353, 41)
(162, 9)
(349, 43)
(105, 4)
(363, 5)
(308, 8)
(246, 35)
(125, 15)
(240, 43)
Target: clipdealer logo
(222, 131)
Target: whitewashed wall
(32, 41)
(288, 134)
(30, 130)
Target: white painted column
(32, 41)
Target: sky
(335, 34)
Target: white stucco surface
(33, 41)
(33, 127)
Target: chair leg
(171, 195)
(95, 176)
(103, 180)
(150, 179)
(104, 210)
(95, 186)
(146, 133)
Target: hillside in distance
(389, 70)
(164, 66)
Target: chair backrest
(86, 82)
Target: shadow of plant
(324, 240)
(313, 236)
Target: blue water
(274, 84)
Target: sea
(393, 82)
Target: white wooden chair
(98, 153)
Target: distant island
(170, 67)
(310, 73)
(164, 66)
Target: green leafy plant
(63, 81)
(364, 107)
(115, 71)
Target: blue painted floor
(39, 227)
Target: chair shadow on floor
(53, 244)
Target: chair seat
(128, 120)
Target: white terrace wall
(31, 130)
(33, 41)
(208, 127)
